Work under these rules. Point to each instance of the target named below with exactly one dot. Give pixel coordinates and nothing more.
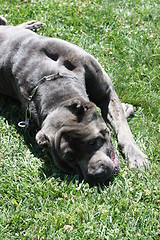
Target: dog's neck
(45, 98)
(44, 102)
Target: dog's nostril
(69, 65)
(101, 175)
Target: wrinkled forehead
(96, 124)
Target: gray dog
(60, 87)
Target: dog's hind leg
(31, 25)
(3, 21)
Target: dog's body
(61, 85)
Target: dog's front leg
(115, 115)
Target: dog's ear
(78, 108)
(42, 139)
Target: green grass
(37, 201)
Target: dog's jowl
(61, 86)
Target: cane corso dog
(61, 87)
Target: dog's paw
(128, 109)
(32, 25)
(137, 158)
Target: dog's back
(8, 49)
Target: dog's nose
(101, 173)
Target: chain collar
(51, 77)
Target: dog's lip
(115, 160)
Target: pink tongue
(113, 157)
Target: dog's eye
(95, 144)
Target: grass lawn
(37, 201)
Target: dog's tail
(3, 21)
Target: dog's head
(80, 142)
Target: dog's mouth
(115, 160)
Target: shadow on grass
(10, 109)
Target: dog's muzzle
(101, 167)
